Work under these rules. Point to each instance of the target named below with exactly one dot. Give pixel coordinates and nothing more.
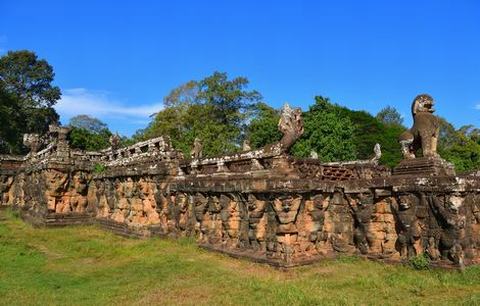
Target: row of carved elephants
(277, 225)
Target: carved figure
(197, 149)
(181, 202)
(246, 145)
(32, 141)
(114, 141)
(286, 208)
(291, 125)
(377, 151)
(257, 220)
(425, 130)
(231, 219)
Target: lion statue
(425, 130)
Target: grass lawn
(88, 266)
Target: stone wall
(263, 205)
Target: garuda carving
(425, 130)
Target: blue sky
(116, 60)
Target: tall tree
(389, 115)
(10, 131)
(89, 123)
(89, 133)
(229, 98)
(27, 82)
(215, 109)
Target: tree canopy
(460, 147)
(263, 128)
(27, 96)
(89, 133)
(389, 115)
(222, 112)
(215, 109)
(89, 123)
(327, 132)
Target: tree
(390, 116)
(89, 133)
(471, 132)
(91, 124)
(214, 109)
(369, 131)
(263, 128)
(464, 154)
(460, 147)
(185, 94)
(361, 132)
(327, 132)
(228, 98)
(84, 139)
(9, 131)
(27, 96)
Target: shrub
(98, 168)
(420, 262)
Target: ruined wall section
(289, 222)
(260, 204)
(55, 186)
(10, 166)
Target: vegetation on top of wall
(99, 168)
(222, 112)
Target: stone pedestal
(424, 166)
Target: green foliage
(89, 133)
(369, 131)
(420, 262)
(463, 151)
(343, 134)
(460, 147)
(29, 79)
(10, 134)
(98, 168)
(27, 96)
(327, 132)
(448, 135)
(222, 113)
(228, 98)
(389, 115)
(214, 109)
(263, 128)
(84, 139)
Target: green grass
(87, 266)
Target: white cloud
(119, 116)
(98, 104)
(477, 106)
